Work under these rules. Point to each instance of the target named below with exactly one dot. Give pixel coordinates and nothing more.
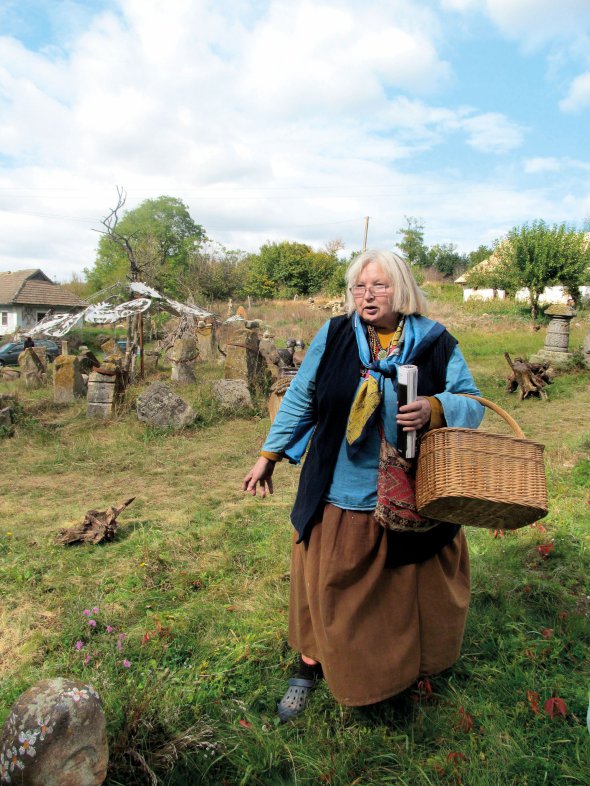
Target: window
(4, 318)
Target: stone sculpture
(33, 366)
(183, 355)
(68, 383)
(232, 394)
(105, 391)
(160, 406)
(55, 735)
(557, 337)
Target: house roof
(33, 287)
(481, 267)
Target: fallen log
(528, 378)
(97, 526)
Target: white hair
(406, 298)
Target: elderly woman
(371, 609)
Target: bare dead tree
(110, 223)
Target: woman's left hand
(414, 416)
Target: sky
(290, 120)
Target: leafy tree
(286, 269)
(481, 252)
(535, 256)
(446, 259)
(215, 273)
(155, 241)
(412, 242)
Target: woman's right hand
(260, 474)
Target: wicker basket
(472, 477)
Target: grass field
(195, 591)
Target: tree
(446, 259)
(412, 242)
(155, 242)
(286, 269)
(215, 273)
(481, 252)
(535, 256)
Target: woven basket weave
(472, 477)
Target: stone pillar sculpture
(183, 356)
(105, 392)
(206, 340)
(243, 357)
(33, 366)
(557, 337)
(68, 383)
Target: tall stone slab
(183, 356)
(32, 363)
(68, 383)
(105, 392)
(206, 340)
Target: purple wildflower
(92, 623)
(86, 612)
(109, 629)
(87, 660)
(95, 610)
(126, 663)
(79, 644)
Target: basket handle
(499, 411)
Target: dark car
(9, 352)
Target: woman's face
(374, 307)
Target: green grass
(197, 581)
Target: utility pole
(366, 233)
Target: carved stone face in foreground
(55, 735)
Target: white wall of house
(20, 318)
(8, 320)
(550, 295)
(483, 294)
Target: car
(9, 352)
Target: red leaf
(498, 533)
(527, 589)
(465, 720)
(533, 700)
(554, 706)
(545, 549)
(528, 653)
(547, 633)
(455, 757)
(245, 724)
(425, 688)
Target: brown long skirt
(374, 629)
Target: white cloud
(533, 166)
(269, 119)
(578, 95)
(493, 133)
(531, 21)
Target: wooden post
(366, 233)
(141, 368)
(64, 347)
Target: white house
(27, 295)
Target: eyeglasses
(377, 290)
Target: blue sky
(277, 119)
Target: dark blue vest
(336, 384)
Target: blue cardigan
(354, 479)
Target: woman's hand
(261, 473)
(415, 415)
